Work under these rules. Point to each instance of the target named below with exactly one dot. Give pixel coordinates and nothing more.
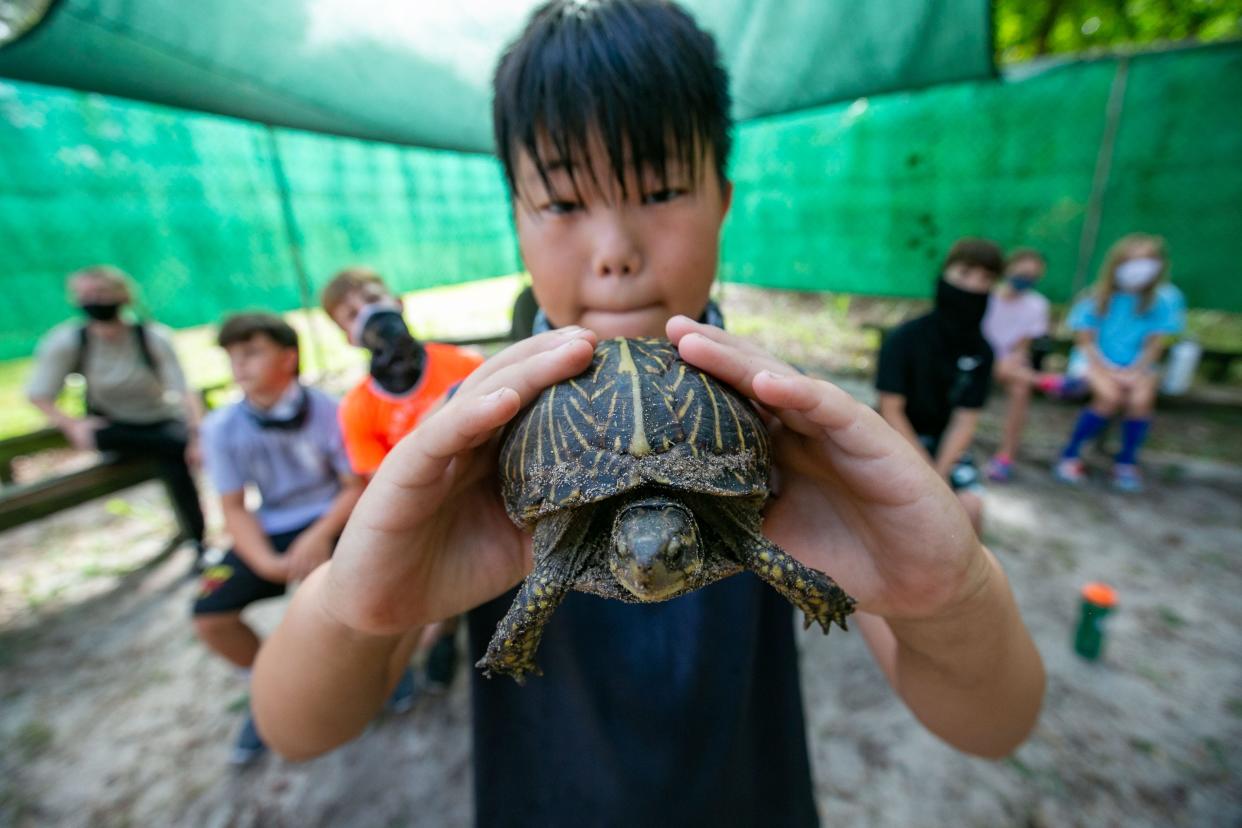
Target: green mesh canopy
(211, 214)
(420, 72)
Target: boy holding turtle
(612, 122)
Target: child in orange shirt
(407, 379)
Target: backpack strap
(144, 348)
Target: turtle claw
(817, 595)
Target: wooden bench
(27, 502)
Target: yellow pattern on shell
(638, 439)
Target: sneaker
(1061, 386)
(1126, 478)
(1000, 469)
(249, 745)
(442, 665)
(1070, 470)
(403, 695)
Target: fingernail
(571, 330)
(495, 395)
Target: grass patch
(32, 740)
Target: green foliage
(1030, 28)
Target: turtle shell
(638, 415)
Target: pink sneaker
(1000, 468)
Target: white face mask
(1136, 274)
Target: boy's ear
(291, 360)
(726, 197)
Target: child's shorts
(230, 584)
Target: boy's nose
(617, 251)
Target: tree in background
(1027, 29)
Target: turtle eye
(672, 552)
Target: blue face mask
(1021, 284)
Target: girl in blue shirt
(1121, 331)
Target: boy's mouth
(647, 320)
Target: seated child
(283, 439)
(1120, 333)
(1016, 316)
(612, 122)
(407, 379)
(935, 371)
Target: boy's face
(262, 367)
(970, 278)
(346, 311)
(620, 267)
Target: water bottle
(1179, 370)
(1098, 600)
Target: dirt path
(112, 715)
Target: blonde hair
(346, 282)
(113, 277)
(1106, 282)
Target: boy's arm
(893, 410)
(249, 540)
(956, 440)
(858, 503)
(306, 706)
(314, 546)
(429, 539)
(972, 674)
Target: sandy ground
(112, 715)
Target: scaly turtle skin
(643, 479)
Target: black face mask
(284, 420)
(960, 313)
(101, 312)
(396, 357)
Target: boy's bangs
(615, 78)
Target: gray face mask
(1136, 274)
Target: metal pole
(294, 239)
(1099, 182)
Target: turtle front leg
(813, 592)
(559, 556)
(517, 636)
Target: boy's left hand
(855, 500)
(307, 552)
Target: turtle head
(655, 548)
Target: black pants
(165, 443)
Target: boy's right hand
(429, 538)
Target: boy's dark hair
(976, 253)
(639, 75)
(1025, 254)
(243, 327)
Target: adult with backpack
(137, 402)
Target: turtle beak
(655, 551)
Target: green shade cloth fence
(206, 212)
(419, 73)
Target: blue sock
(1133, 433)
(1089, 424)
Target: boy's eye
(560, 208)
(662, 196)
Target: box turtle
(643, 479)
